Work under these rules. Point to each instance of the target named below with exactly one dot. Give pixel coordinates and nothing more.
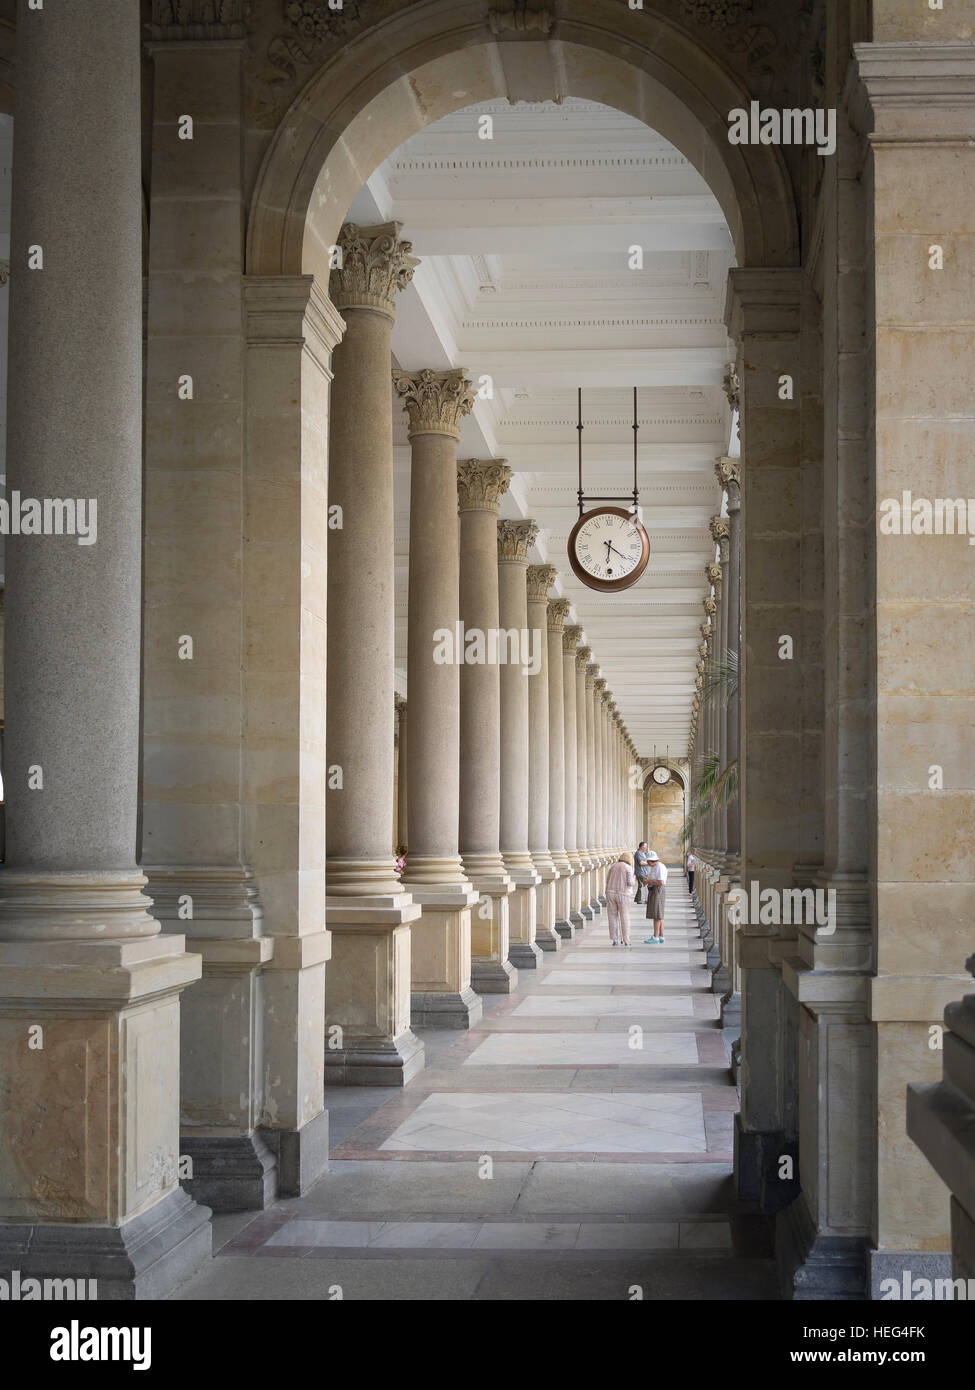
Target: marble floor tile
(583, 1050)
(565, 978)
(636, 1006)
(582, 1122)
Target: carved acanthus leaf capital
(435, 401)
(583, 655)
(540, 580)
(481, 483)
(515, 539)
(571, 637)
(558, 611)
(714, 573)
(728, 473)
(710, 605)
(376, 265)
(592, 670)
(720, 528)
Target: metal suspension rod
(579, 429)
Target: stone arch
(412, 69)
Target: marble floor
(576, 1145)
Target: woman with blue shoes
(655, 898)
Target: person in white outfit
(620, 882)
(655, 899)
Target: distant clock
(608, 549)
(661, 775)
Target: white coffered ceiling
(525, 241)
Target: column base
(525, 955)
(375, 1062)
(586, 912)
(237, 1172)
(731, 1014)
(302, 1154)
(548, 939)
(493, 976)
(461, 1010)
(813, 1266)
(563, 928)
(757, 1155)
(148, 1258)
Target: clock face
(661, 775)
(608, 548)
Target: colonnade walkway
(576, 1144)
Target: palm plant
(715, 786)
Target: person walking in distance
(690, 871)
(641, 869)
(619, 883)
(655, 899)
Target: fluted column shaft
(436, 402)
(570, 642)
(480, 486)
(514, 540)
(540, 579)
(582, 778)
(558, 609)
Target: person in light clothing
(619, 883)
(691, 865)
(655, 899)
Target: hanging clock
(608, 546)
(608, 549)
(661, 775)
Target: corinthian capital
(728, 473)
(600, 686)
(375, 266)
(582, 658)
(571, 637)
(515, 539)
(720, 528)
(710, 606)
(481, 484)
(592, 670)
(540, 580)
(558, 611)
(435, 401)
(714, 573)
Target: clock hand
(618, 552)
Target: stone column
(402, 781)
(89, 988)
(480, 485)
(763, 317)
(570, 641)
(515, 539)
(600, 713)
(442, 993)
(558, 610)
(721, 532)
(367, 994)
(540, 579)
(592, 774)
(582, 781)
(729, 476)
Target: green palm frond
(721, 681)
